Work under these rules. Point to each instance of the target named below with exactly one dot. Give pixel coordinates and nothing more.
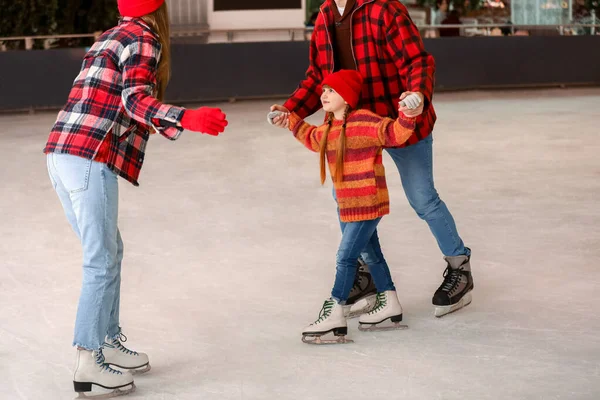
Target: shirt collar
(138, 21)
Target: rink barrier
(188, 27)
(41, 79)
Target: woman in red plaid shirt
(378, 38)
(100, 134)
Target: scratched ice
(230, 246)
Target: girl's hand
(411, 104)
(283, 120)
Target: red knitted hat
(348, 84)
(138, 8)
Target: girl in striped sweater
(351, 140)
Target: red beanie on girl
(348, 84)
(138, 8)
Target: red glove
(205, 119)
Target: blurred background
(234, 49)
(230, 241)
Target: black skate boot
(455, 292)
(363, 294)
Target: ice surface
(229, 252)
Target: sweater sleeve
(394, 133)
(307, 134)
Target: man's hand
(282, 121)
(407, 110)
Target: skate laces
(380, 302)
(452, 278)
(116, 344)
(124, 349)
(325, 311)
(103, 365)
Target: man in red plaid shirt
(378, 39)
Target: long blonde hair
(159, 22)
(340, 150)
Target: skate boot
(331, 320)
(117, 355)
(386, 315)
(362, 295)
(91, 369)
(455, 292)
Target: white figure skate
(331, 321)
(117, 355)
(386, 315)
(91, 369)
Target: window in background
(238, 5)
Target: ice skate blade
(361, 307)
(140, 371)
(134, 371)
(109, 395)
(317, 340)
(440, 311)
(376, 328)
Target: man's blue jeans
(415, 164)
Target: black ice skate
(455, 292)
(362, 296)
(331, 321)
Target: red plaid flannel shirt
(114, 95)
(389, 53)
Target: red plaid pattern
(389, 53)
(114, 95)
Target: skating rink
(230, 247)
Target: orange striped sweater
(363, 194)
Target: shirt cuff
(166, 120)
(169, 116)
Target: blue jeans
(359, 239)
(415, 164)
(89, 193)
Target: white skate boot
(331, 320)
(387, 310)
(91, 369)
(117, 355)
